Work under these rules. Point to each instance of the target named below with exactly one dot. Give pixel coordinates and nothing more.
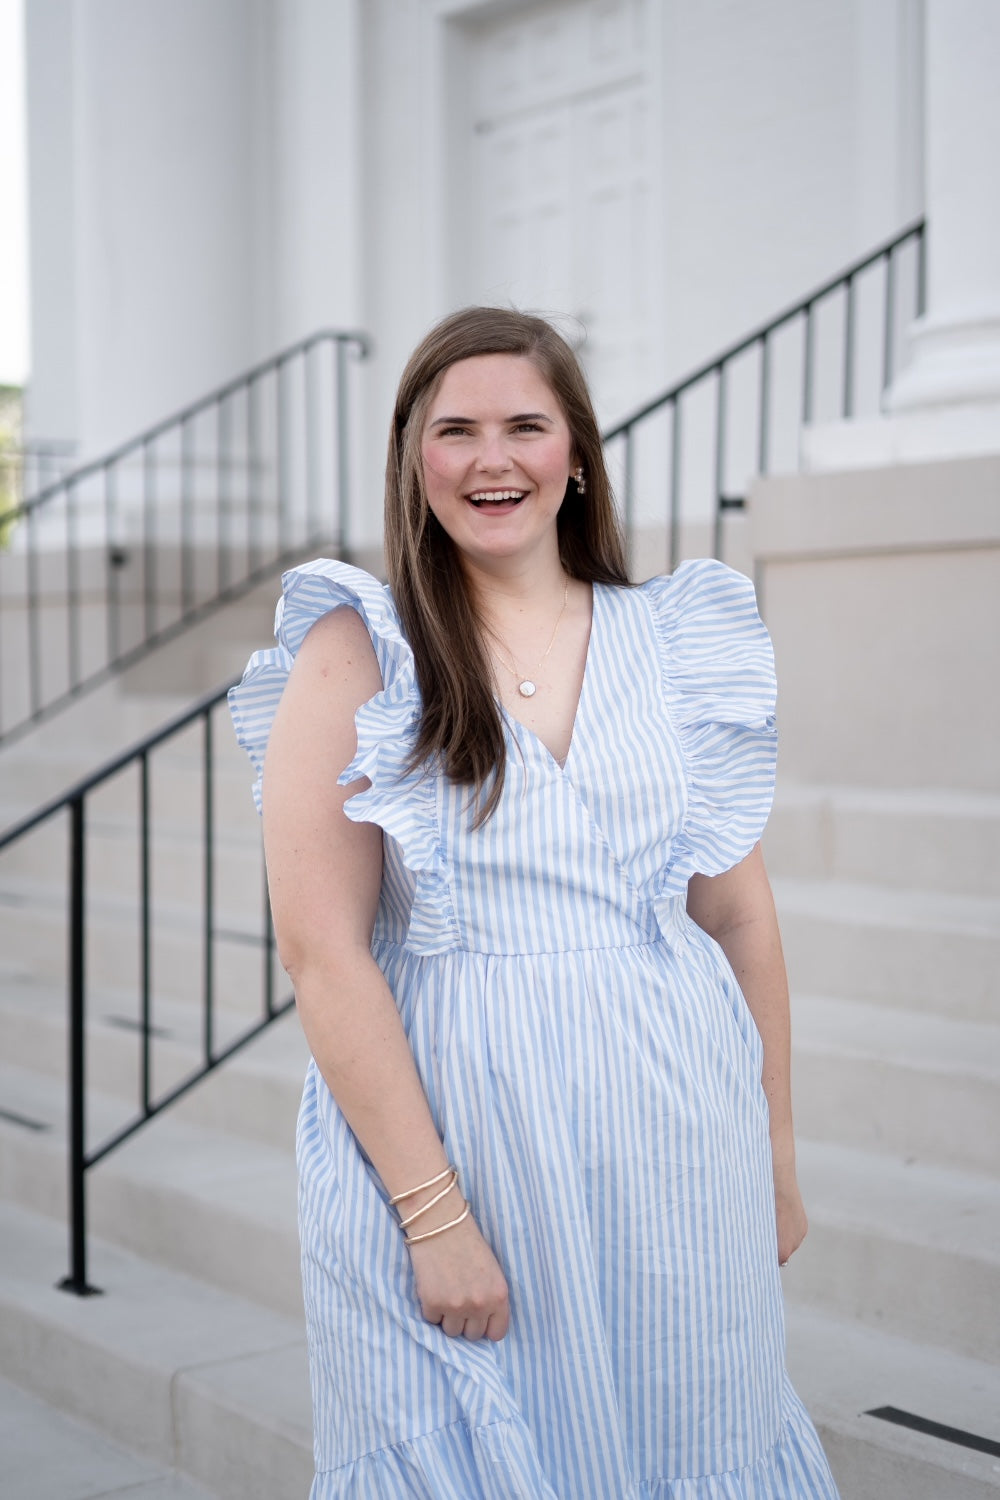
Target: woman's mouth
(484, 498)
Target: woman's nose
(494, 453)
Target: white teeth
(496, 496)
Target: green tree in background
(10, 458)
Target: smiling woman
(494, 402)
(547, 1174)
(496, 479)
(506, 458)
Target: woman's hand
(789, 1213)
(460, 1284)
(737, 909)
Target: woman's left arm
(737, 910)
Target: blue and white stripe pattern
(593, 1070)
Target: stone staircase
(191, 1366)
(890, 910)
(194, 1360)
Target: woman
(511, 809)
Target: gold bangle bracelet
(428, 1234)
(431, 1201)
(431, 1182)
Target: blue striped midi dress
(593, 1070)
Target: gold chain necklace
(526, 685)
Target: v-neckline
(518, 728)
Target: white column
(945, 401)
(955, 347)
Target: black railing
(207, 941)
(830, 355)
(128, 550)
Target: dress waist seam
(660, 941)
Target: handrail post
(34, 625)
(889, 323)
(342, 534)
(721, 394)
(76, 1281)
(675, 483)
(847, 398)
(145, 940)
(208, 894)
(808, 352)
(921, 272)
(628, 487)
(764, 414)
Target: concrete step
(912, 949)
(56, 755)
(28, 779)
(923, 1087)
(102, 720)
(201, 1380)
(907, 1247)
(207, 650)
(49, 1456)
(843, 1371)
(932, 840)
(188, 1197)
(254, 1095)
(85, 734)
(910, 1249)
(188, 1377)
(34, 916)
(176, 854)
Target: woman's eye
(452, 431)
(528, 427)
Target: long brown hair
(460, 724)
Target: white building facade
(213, 179)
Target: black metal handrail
(128, 550)
(806, 371)
(212, 936)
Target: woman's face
(497, 455)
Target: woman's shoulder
(314, 589)
(338, 644)
(717, 671)
(315, 594)
(701, 586)
(715, 650)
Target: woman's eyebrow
(523, 416)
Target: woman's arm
(737, 910)
(324, 874)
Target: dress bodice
(670, 770)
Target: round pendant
(526, 688)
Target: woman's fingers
(471, 1321)
(477, 1325)
(498, 1325)
(474, 1328)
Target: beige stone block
(882, 593)
(910, 1249)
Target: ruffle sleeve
(719, 683)
(400, 801)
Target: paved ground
(49, 1456)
